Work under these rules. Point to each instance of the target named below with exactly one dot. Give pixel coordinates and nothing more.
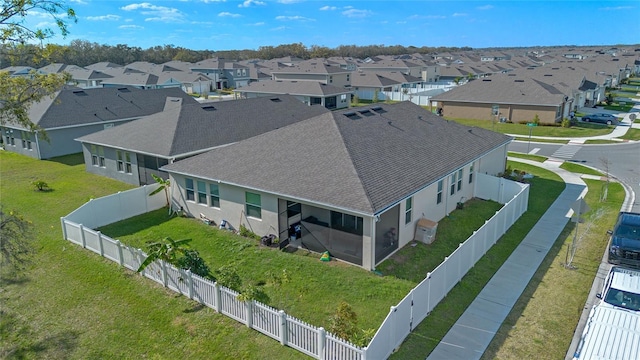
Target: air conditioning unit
(425, 231)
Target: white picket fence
(310, 340)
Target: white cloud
(261, 23)
(103, 17)
(209, 1)
(615, 8)
(458, 14)
(327, 7)
(156, 13)
(293, 18)
(228, 14)
(355, 13)
(279, 28)
(421, 17)
(288, 1)
(485, 7)
(248, 3)
(81, 2)
(130, 27)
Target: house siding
(111, 168)
(514, 113)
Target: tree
(19, 93)
(16, 237)
(164, 185)
(167, 250)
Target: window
(330, 79)
(120, 161)
(348, 77)
(12, 139)
(189, 187)
(238, 72)
(343, 98)
(459, 179)
(439, 196)
(253, 205)
(471, 174)
(100, 156)
(214, 195)
(407, 210)
(127, 162)
(94, 155)
(452, 183)
(202, 192)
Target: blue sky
(234, 25)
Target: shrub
(40, 185)
(566, 123)
(244, 231)
(228, 276)
(193, 262)
(344, 322)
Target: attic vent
(366, 113)
(555, 68)
(352, 116)
(124, 90)
(518, 80)
(80, 93)
(511, 75)
(379, 109)
(208, 108)
(486, 79)
(275, 99)
(548, 75)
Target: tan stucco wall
(514, 113)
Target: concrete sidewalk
(472, 333)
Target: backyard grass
(300, 284)
(545, 187)
(537, 158)
(535, 140)
(579, 130)
(73, 304)
(579, 169)
(545, 317)
(600, 141)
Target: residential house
(134, 152)
(223, 73)
(352, 182)
(309, 92)
(315, 70)
(74, 112)
(504, 98)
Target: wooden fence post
(218, 299)
(140, 261)
(120, 257)
(163, 265)
(283, 327)
(190, 279)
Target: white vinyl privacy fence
(289, 331)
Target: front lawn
(538, 158)
(579, 130)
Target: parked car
(601, 118)
(624, 247)
(621, 289)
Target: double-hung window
(407, 210)
(439, 196)
(202, 192)
(120, 161)
(214, 195)
(127, 162)
(94, 155)
(452, 183)
(471, 174)
(190, 193)
(459, 179)
(101, 156)
(253, 205)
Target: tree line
(83, 53)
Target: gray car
(602, 118)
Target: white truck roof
(610, 334)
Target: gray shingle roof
(198, 127)
(73, 106)
(310, 88)
(364, 164)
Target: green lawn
(553, 141)
(579, 169)
(578, 130)
(72, 304)
(537, 158)
(632, 134)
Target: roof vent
(208, 108)
(366, 113)
(80, 93)
(486, 79)
(548, 75)
(124, 90)
(518, 80)
(511, 75)
(275, 99)
(352, 116)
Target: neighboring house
(502, 97)
(74, 112)
(15, 71)
(223, 73)
(371, 85)
(133, 152)
(352, 182)
(309, 92)
(315, 70)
